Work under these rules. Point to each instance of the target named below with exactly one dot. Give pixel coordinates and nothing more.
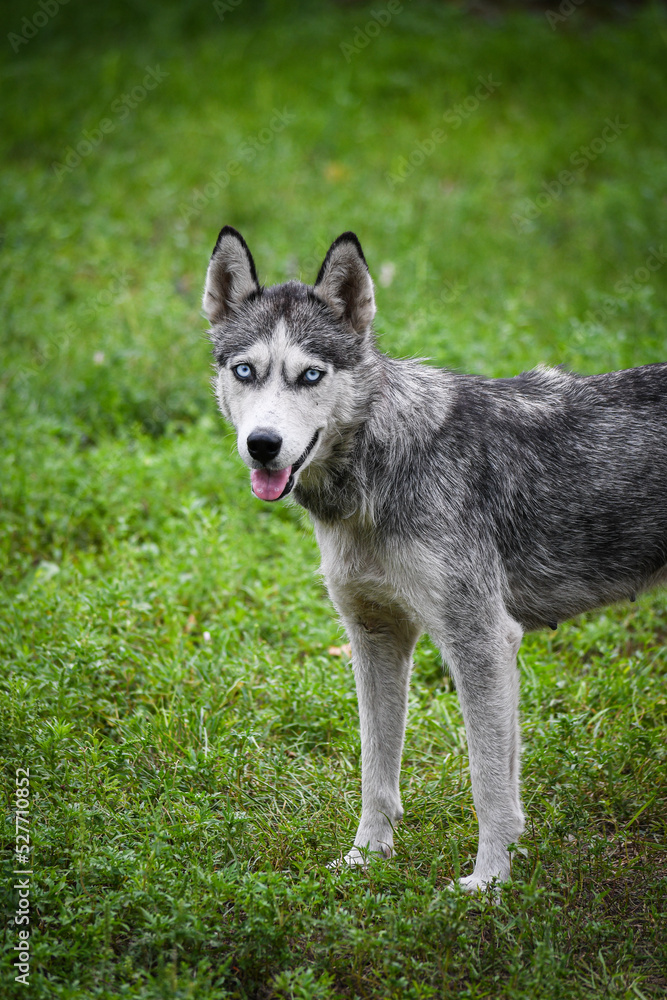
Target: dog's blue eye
(312, 375)
(243, 372)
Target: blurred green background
(168, 673)
(497, 262)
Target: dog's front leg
(481, 654)
(382, 644)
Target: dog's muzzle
(273, 484)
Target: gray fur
(471, 509)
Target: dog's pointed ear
(345, 284)
(231, 276)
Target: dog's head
(285, 357)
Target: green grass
(192, 742)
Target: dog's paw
(360, 857)
(364, 856)
(472, 884)
(492, 869)
(357, 859)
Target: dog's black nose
(264, 445)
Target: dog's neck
(330, 491)
(344, 483)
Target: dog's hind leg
(481, 651)
(382, 643)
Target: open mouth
(274, 484)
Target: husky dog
(472, 509)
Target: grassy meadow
(177, 712)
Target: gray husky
(472, 509)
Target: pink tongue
(268, 484)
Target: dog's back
(571, 473)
